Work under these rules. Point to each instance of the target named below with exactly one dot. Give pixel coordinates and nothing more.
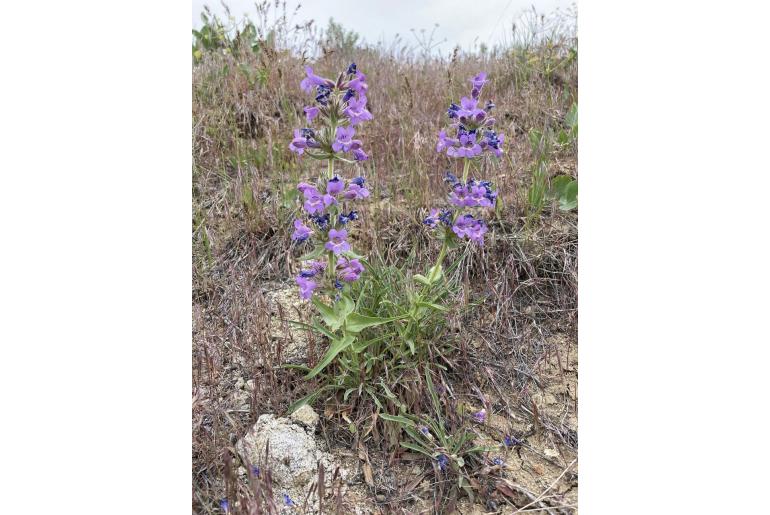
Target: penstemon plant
(352, 296)
(329, 269)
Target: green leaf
(559, 185)
(344, 307)
(421, 278)
(335, 348)
(330, 317)
(432, 305)
(308, 399)
(314, 327)
(410, 445)
(397, 418)
(356, 323)
(569, 199)
(571, 119)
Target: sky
(375, 20)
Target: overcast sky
(460, 21)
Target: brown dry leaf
(368, 476)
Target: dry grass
(527, 278)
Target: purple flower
(225, 505)
(358, 180)
(255, 470)
(493, 141)
(335, 185)
(468, 146)
(344, 140)
(306, 286)
(299, 143)
(425, 431)
(337, 243)
(287, 500)
(311, 112)
(322, 221)
(498, 461)
(510, 441)
(432, 219)
(452, 111)
(358, 84)
(348, 95)
(356, 111)
(443, 461)
(346, 218)
(480, 416)
(312, 80)
(355, 192)
(478, 82)
(478, 197)
(468, 111)
(301, 231)
(360, 155)
(315, 202)
(459, 195)
(468, 227)
(322, 95)
(304, 186)
(349, 270)
(351, 69)
(445, 142)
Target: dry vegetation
(517, 350)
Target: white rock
(306, 416)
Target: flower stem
(443, 251)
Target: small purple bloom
(322, 221)
(358, 180)
(352, 69)
(478, 82)
(356, 111)
(337, 243)
(311, 113)
(360, 155)
(459, 195)
(349, 270)
(424, 430)
(322, 95)
(287, 500)
(255, 470)
(346, 218)
(225, 505)
(335, 185)
(299, 143)
(301, 231)
(445, 142)
(498, 461)
(348, 95)
(312, 80)
(355, 192)
(304, 186)
(344, 140)
(468, 227)
(480, 416)
(359, 84)
(443, 461)
(452, 111)
(432, 219)
(306, 286)
(315, 202)
(510, 441)
(478, 197)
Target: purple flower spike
(337, 243)
(356, 111)
(311, 113)
(301, 231)
(335, 185)
(312, 80)
(355, 192)
(432, 219)
(306, 286)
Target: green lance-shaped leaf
(335, 348)
(330, 317)
(356, 323)
(397, 418)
